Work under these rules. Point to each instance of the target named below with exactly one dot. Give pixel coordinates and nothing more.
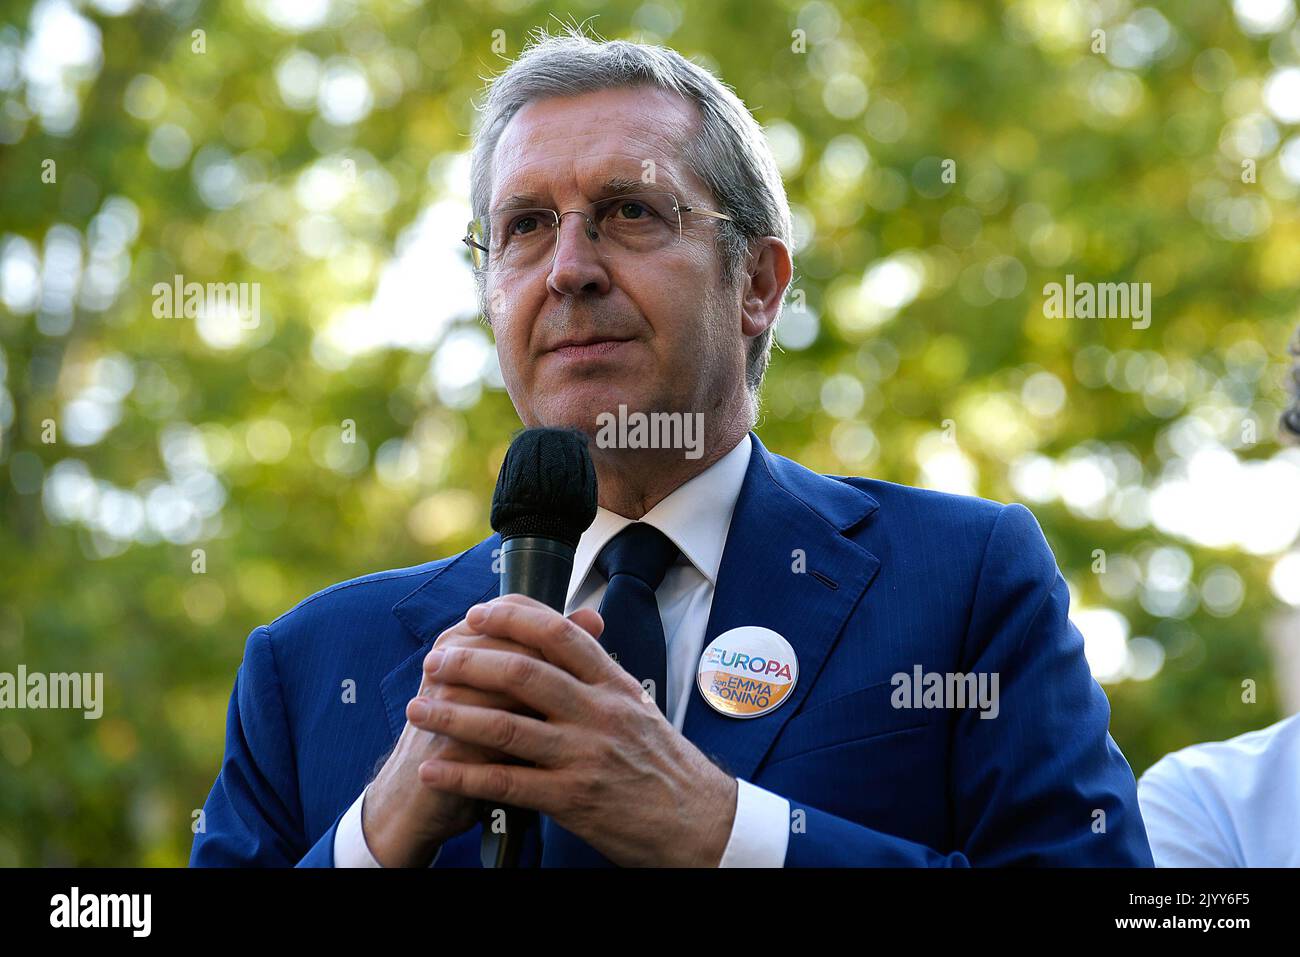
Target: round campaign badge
(747, 672)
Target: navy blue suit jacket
(894, 577)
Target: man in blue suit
(885, 600)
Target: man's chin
(585, 409)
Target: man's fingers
(589, 620)
(490, 728)
(535, 683)
(469, 638)
(450, 749)
(563, 641)
(457, 694)
(472, 640)
(499, 783)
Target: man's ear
(767, 277)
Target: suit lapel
(429, 611)
(783, 510)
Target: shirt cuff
(761, 831)
(350, 848)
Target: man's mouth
(588, 348)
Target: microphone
(544, 500)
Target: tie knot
(640, 550)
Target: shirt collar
(695, 516)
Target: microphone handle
(537, 567)
(540, 568)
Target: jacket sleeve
(253, 815)
(1042, 783)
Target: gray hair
(729, 150)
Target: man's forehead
(586, 140)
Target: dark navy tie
(634, 563)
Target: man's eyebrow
(614, 186)
(617, 186)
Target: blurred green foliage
(914, 347)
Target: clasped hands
(515, 681)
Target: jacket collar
(695, 517)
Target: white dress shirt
(696, 517)
(1233, 803)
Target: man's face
(667, 334)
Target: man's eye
(633, 210)
(523, 224)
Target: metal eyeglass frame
(678, 208)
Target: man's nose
(578, 265)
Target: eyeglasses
(633, 223)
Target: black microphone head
(547, 486)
